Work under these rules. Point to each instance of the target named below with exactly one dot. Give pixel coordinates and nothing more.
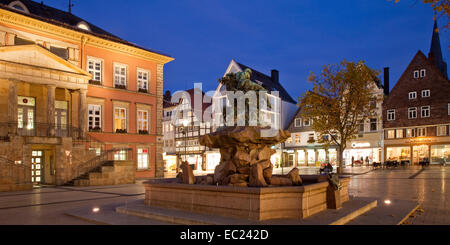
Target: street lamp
(185, 123)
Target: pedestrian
(353, 160)
(367, 160)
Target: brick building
(416, 115)
(63, 81)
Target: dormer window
(83, 25)
(18, 5)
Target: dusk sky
(294, 37)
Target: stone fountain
(243, 185)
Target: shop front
(361, 152)
(435, 150)
(309, 156)
(212, 160)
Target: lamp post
(185, 123)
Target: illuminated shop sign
(361, 144)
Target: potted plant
(143, 90)
(95, 82)
(143, 132)
(121, 131)
(120, 86)
(96, 129)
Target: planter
(121, 131)
(143, 132)
(333, 198)
(141, 90)
(95, 130)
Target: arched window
(19, 6)
(83, 25)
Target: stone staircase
(109, 172)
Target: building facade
(416, 115)
(65, 78)
(169, 149)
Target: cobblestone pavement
(429, 187)
(48, 205)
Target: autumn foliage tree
(341, 97)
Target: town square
(257, 114)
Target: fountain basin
(252, 203)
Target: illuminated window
(409, 132)
(120, 119)
(442, 130)
(399, 133)
(391, 134)
(142, 120)
(143, 77)
(297, 138)
(120, 155)
(83, 25)
(421, 132)
(142, 158)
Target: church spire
(435, 50)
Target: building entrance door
(37, 164)
(420, 153)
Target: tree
(441, 7)
(341, 98)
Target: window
(412, 113)
(391, 134)
(142, 121)
(83, 25)
(448, 108)
(120, 155)
(142, 80)
(422, 73)
(120, 76)
(311, 138)
(289, 140)
(298, 122)
(442, 130)
(399, 133)
(391, 115)
(361, 126)
(95, 68)
(297, 138)
(120, 120)
(409, 132)
(425, 93)
(142, 158)
(425, 111)
(61, 52)
(373, 124)
(95, 117)
(421, 132)
(416, 74)
(306, 122)
(412, 95)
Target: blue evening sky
(294, 37)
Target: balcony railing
(39, 129)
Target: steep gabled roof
(64, 19)
(267, 83)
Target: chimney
(275, 76)
(386, 81)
